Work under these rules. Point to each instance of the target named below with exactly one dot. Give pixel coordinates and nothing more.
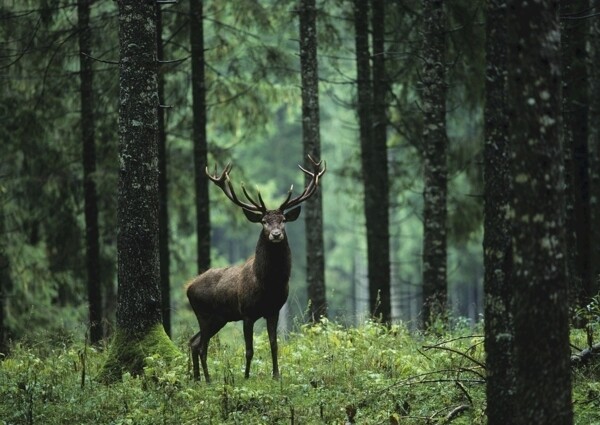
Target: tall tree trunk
(575, 120)
(594, 134)
(374, 165)
(199, 135)
(497, 226)
(435, 152)
(381, 269)
(315, 253)
(139, 331)
(5, 283)
(541, 320)
(163, 211)
(92, 242)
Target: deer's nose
(276, 235)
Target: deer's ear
(292, 215)
(252, 216)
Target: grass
(330, 375)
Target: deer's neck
(272, 261)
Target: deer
(253, 290)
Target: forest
(446, 159)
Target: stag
(259, 287)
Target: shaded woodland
(463, 155)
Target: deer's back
(214, 292)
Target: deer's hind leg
(194, 348)
(199, 345)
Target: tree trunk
(575, 120)
(374, 166)
(5, 284)
(497, 226)
(541, 320)
(594, 134)
(92, 242)
(435, 152)
(139, 331)
(163, 211)
(199, 135)
(313, 215)
(381, 269)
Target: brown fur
(258, 288)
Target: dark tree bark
(311, 140)
(594, 133)
(374, 169)
(163, 211)
(435, 152)
(92, 239)
(5, 285)
(497, 226)
(139, 330)
(381, 271)
(575, 120)
(541, 320)
(199, 135)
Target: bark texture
(92, 239)
(5, 286)
(435, 152)
(497, 225)
(199, 135)
(575, 119)
(541, 344)
(139, 330)
(374, 172)
(313, 211)
(163, 211)
(594, 133)
(381, 269)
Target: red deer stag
(256, 289)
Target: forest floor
(330, 374)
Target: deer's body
(258, 288)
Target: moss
(128, 352)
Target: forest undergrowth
(331, 374)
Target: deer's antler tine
(306, 171)
(310, 188)
(257, 206)
(224, 183)
(315, 163)
(262, 203)
(287, 198)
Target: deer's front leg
(248, 336)
(272, 331)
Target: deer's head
(273, 221)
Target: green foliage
(128, 353)
(380, 374)
(327, 370)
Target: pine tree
(541, 319)
(374, 165)
(315, 256)
(92, 236)
(435, 152)
(199, 135)
(497, 235)
(139, 330)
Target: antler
(224, 183)
(310, 189)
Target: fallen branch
(456, 412)
(452, 350)
(584, 356)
